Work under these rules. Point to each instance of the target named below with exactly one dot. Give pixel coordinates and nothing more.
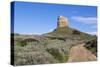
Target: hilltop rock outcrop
(62, 22)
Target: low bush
(22, 43)
(58, 54)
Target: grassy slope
(69, 33)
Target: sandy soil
(80, 54)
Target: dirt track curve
(80, 54)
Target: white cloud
(93, 33)
(51, 30)
(85, 20)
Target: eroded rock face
(62, 21)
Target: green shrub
(92, 46)
(76, 32)
(58, 54)
(22, 43)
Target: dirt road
(80, 54)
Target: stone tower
(62, 22)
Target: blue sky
(39, 18)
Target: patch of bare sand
(80, 54)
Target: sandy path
(79, 53)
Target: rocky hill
(62, 45)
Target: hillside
(53, 47)
(62, 45)
(69, 33)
